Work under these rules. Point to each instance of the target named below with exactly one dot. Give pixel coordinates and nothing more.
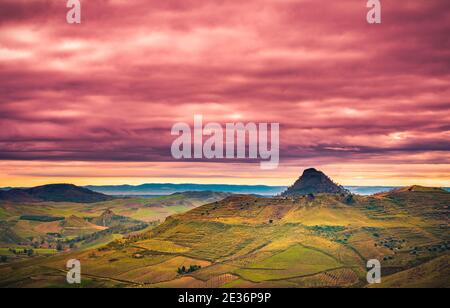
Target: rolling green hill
(79, 226)
(320, 240)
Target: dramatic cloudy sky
(94, 103)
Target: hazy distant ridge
(166, 189)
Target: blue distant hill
(167, 189)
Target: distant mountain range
(168, 189)
(262, 190)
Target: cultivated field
(29, 229)
(245, 241)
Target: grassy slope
(251, 242)
(142, 209)
(432, 274)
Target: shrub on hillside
(183, 270)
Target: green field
(296, 261)
(247, 242)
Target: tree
(349, 199)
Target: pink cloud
(111, 88)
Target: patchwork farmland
(244, 241)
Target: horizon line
(203, 184)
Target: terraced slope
(244, 241)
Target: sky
(94, 103)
